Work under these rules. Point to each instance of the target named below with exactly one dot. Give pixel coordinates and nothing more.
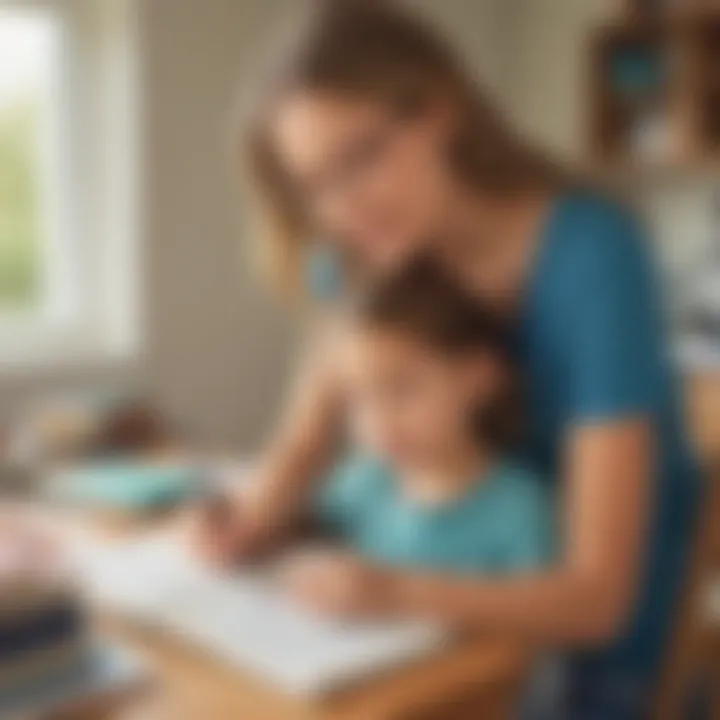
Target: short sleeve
(347, 494)
(529, 537)
(609, 319)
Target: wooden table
(477, 679)
(470, 679)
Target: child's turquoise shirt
(504, 523)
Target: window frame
(88, 314)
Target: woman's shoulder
(591, 223)
(592, 239)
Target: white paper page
(244, 619)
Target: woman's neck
(492, 242)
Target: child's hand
(225, 530)
(339, 584)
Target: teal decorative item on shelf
(638, 72)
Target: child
(433, 408)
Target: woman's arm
(302, 447)
(589, 596)
(271, 505)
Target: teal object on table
(127, 486)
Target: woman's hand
(232, 530)
(339, 584)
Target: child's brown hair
(424, 301)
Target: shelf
(655, 89)
(624, 171)
(687, 11)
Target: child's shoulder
(524, 515)
(362, 467)
(360, 475)
(514, 470)
(519, 482)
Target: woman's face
(374, 183)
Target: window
(28, 58)
(67, 185)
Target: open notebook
(242, 618)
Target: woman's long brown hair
(379, 50)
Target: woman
(371, 134)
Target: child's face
(410, 404)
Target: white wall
(546, 70)
(478, 28)
(217, 351)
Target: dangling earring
(325, 272)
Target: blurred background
(122, 273)
(131, 322)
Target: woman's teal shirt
(592, 344)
